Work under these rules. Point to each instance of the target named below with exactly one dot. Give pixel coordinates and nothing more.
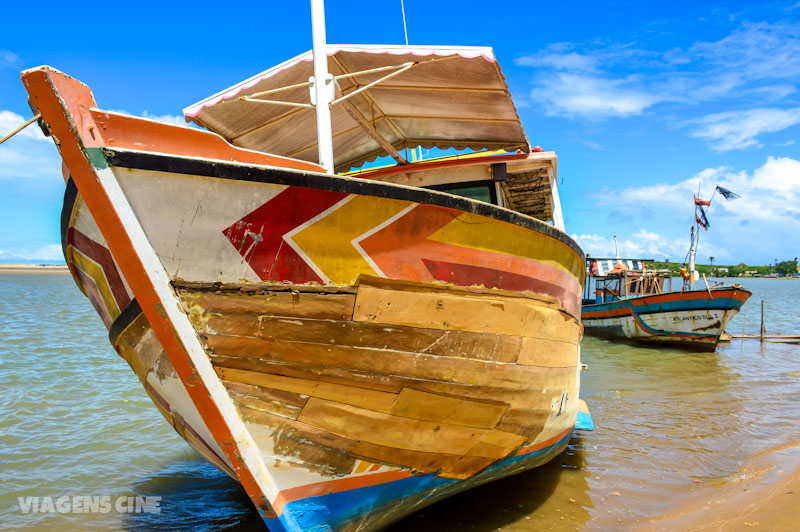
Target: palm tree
(711, 259)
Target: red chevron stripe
(469, 275)
(402, 250)
(102, 256)
(92, 291)
(258, 237)
(398, 248)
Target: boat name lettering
(695, 318)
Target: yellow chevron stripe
(327, 242)
(362, 466)
(473, 231)
(93, 270)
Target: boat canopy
(602, 266)
(387, 98)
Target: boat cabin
(612, 279)
(389, 102)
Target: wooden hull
(350, 351)
(693, 319)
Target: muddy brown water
(673, 427)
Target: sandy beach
(34, 268)
(764, 495)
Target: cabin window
(477, 190)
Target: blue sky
(640, 100)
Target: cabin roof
(618, 259)
(447, 97)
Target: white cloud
(24, 156)
(756, 63)
(591, 96)
(671, 195)
(561, 57)
(642, 244)
(8, 59)
(738, 129)
(765, 221)
(10, 120)
(771, 193)
(175, 120)
(45, 254)
(756, 51)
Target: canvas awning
(443, 97)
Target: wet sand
(764, 495)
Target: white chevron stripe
(311, 221)
(356, 242)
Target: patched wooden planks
(258, 302)
(418, 375)
(384, 362)
(483, 346)
(548, 353)
(349, 395)
(445, 409)
(138, 346)
(532, 397)
(387, 430)
(475, 313)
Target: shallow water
(74, 421)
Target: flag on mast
(698, 201)
(727, 193)
(701, 218)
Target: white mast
(322, 86)
(694, 241)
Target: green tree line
(782, 268)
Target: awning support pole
(558, 217)
(322, 88)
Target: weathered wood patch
(387, 430)
(475, 313)
(290, 303)
(445, 409)
(478, 345)
(548, 353)
(530, 397)
(411, 365)
(349, 395)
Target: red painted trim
(259, 236)
(132, 132)
(626, 311)
(350, 483)
(687, 296)
(439, 163)
(93, 293)
(103, 257)
(64, 104)
(336, 486)
(545, 443)
(469, 275)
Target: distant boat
(624, 299)
(350, 348)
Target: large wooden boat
(623, 299)
(349, 348)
